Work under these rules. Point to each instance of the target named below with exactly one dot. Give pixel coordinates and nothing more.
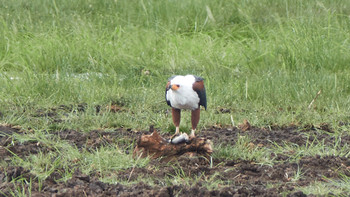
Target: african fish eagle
(185, 92)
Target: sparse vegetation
(244, 150)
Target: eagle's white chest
(185, 97)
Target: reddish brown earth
(236, 177)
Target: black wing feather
(201, 93)
(202, 98)
(167, 88)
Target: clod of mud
(245, 126)
(223, 110)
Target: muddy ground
(235, 177)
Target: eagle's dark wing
(167, 87)
(198, 86)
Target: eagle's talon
(192, 135)
(174, 136)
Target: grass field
(264, 61)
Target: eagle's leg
(195, 115)
(176, 114)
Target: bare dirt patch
(199, 176)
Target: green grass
(265, 67)
(180, 177)
(65, 158)
(313, 148)
(337, 187)
(243, 150)
(264, 60)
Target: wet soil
(222, 177)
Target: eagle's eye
(175, 87)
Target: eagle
(185, 92)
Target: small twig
(133, 168)
(237, 176)
(85, 193)
(246, 89)
(313, 100)
(211, 162)
(233, 122)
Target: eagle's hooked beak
(174, 87)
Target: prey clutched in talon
(180, 139)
